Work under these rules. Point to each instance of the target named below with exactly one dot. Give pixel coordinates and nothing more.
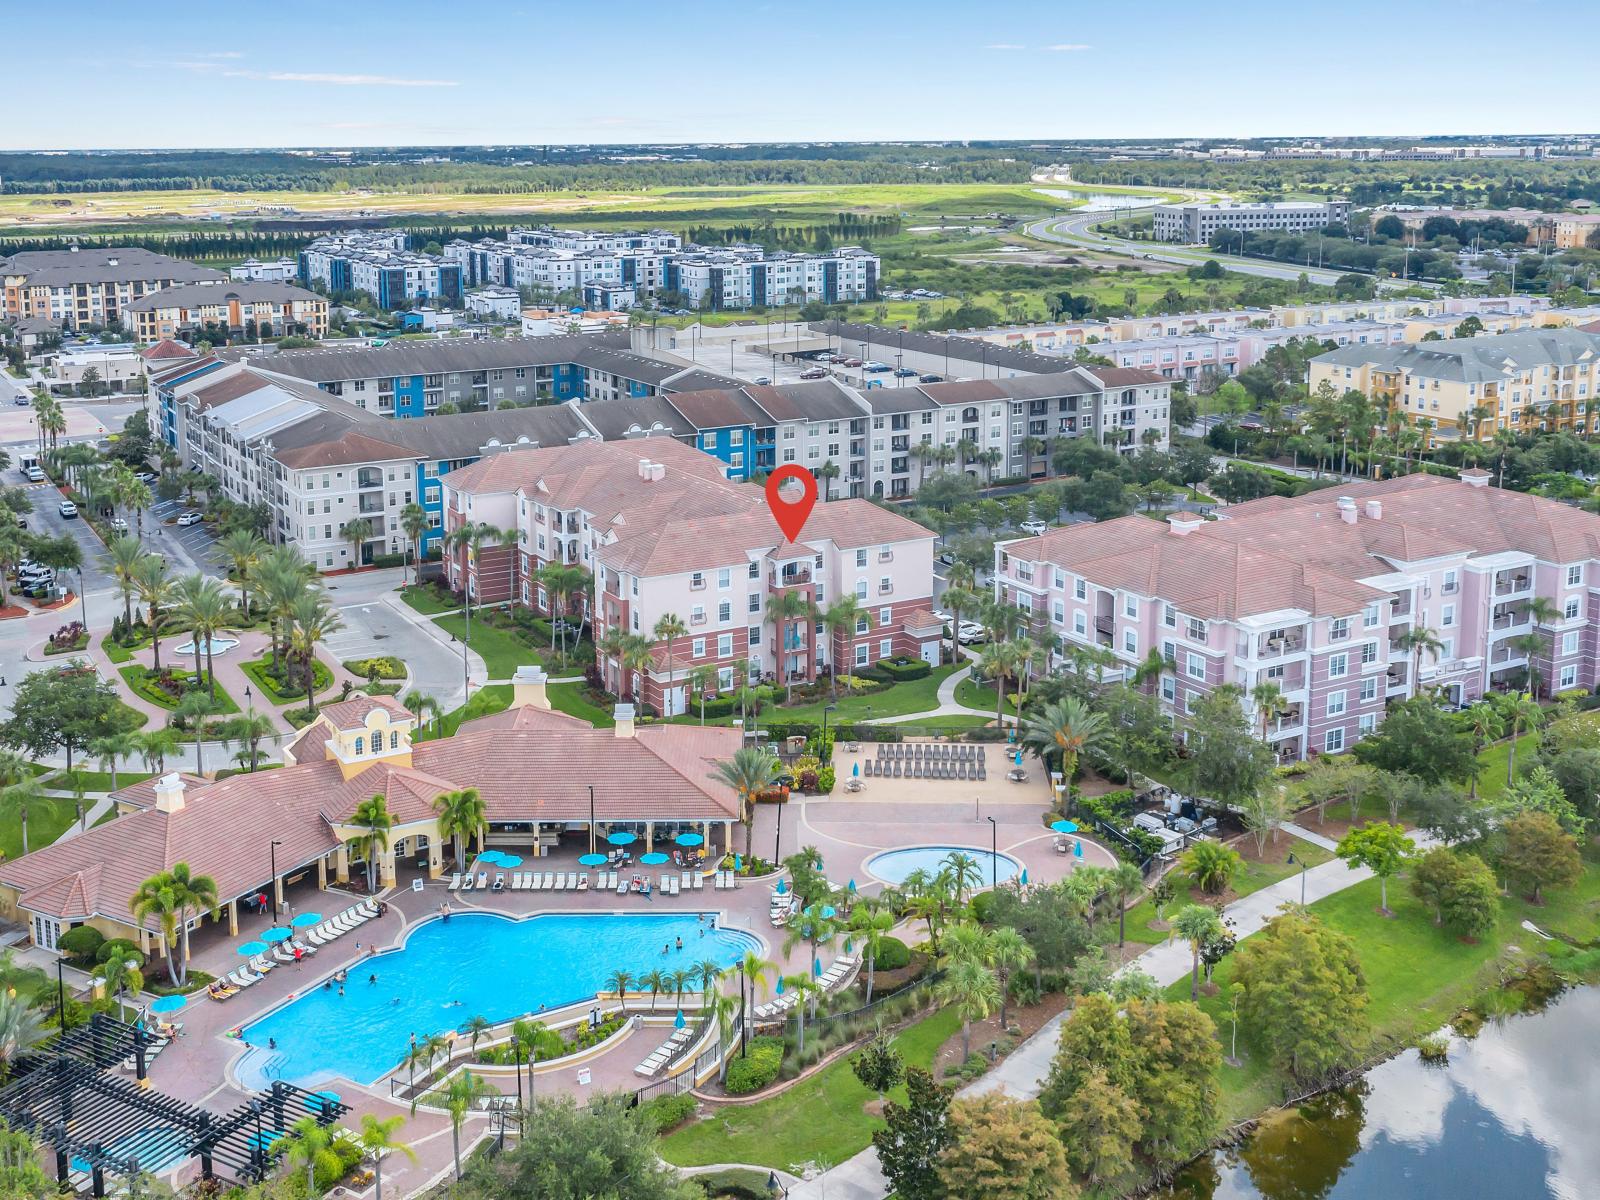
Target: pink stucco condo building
(1317, 593)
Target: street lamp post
(272, 886)
(1302, 864)
(994, 852)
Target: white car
(120, 524)
(35, 474)
(146, 477)
(970, 632)
(190, 518)
(1034, 528)
(68, 509)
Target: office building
(1197, 222)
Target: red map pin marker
(791, 516)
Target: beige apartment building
(267, 309)
(1528, 381)
(90, 286)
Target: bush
(387, 667)
(756, 1068)
(825, 780)
(893, 954)
(388, 560)
(71, 636)
(84, 941)
(119, 947)
(902, 668)
(668, 1112)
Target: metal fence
(707, 1061)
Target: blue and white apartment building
(379, 264)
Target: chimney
(1475, 477)
(1347, 510)
(1375, 509)
(623, 715)
(1182, 524)
(169, 793)
(527, 688)
(651, 472)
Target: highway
(1078, 229)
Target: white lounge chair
(242, 978)
(262, 966)
(499, 881)
(583, 882)
(549, 881)
(455, 881)
(367, 909)
(699, 881)
(622, 885)
(687, 881)
(466, 882)
(483, 880)
(536, 882)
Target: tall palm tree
(1068, 728)
(708, 973)
(560, 583)
(205, 606)
(251, 729)
(971, 987)
(155, 746)
(654, 981)
(1519, 710)
(751, 771)
(196, 893)
(156, 592)
(473, 538)
(1194, 924)
(1009, 952)
(126, 552)
(373, 816)
(111, 749)
(1270, 702)
(281, 578)
(669, 628)
(358, 532)
(872, 925)
(314, 620)
(312, 1144)
(620, 981)
(702, 679)
(422, 704)
(841, 619)
(243, 550)
(958, 600)
(121, 974)
(1126, 881)
(785, 609)
(461, 814)
(635, 656)
(414, 524)
(1417, 639)
(803, 986)
(378, 1140)
(1486, 724)
(158, 897)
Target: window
(1197, 630)
(697, 648)
(1333, 740)
(861, 558)
(1338, 666)
(861, 654)
(885, 616)
(1447, 614)
(1195, 666)
(1369, 616)
(1169, 688)
(394, 740)
(1335, 703)
(1575, 575)
(861, 589)
(1569, 677)
(724, 612)
(1569, 643)
(754, 636)
(755, 571)
(360, 745)
(1369, 653)
(885, 647)
(753, 602)
(1079, 623)
(1367, 723)
(1338, 629)
(1450, 584)
(697, 580)
(1130, 606)
(724, 678)
(724, 579)
(1574, 607)
(724, 645)
(1369, 690)
(1080, 589)
(1130, 641)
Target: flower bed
(69, 639)
(289, 683)
(387, 667)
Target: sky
(114, 75)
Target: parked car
(971, 633)
(814, 373)
(1035, 528)
(875, 368)
(930, 377)
(35, 474)
(904, 373)
(762, 380)
(852, 362)
(189, 518)
(22, 401)
(145, 477)
(120, 524)
(68, 509)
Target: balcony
(697, 619)
(791, 576)
(1397, 676)
(1400, 606)
(371, 503)
(697, 583)
(369, 477)
(1292, 721)
(885, 556)
(1510, 619)
(1280, 642)
(1512, 582)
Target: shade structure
(251, 949)
(1064, 826)
(331, 1097)
(591, 860)
(689, 839)
(678, 1021)
(302, 920)
(622, 839)
(654, 859)
(276, 934)
(510, 860)
(168, 1004)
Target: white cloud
(1005, 46)
(224, 54)
(1068, 47)
(342, 80)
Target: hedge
(388, 560)
(668, 1112)
(898, 670)
(756, 1068)
(892, 955)
(385, 667)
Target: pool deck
(847, 829)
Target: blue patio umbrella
(490, 856)
(591, 860)
(654, 859)
(738, 862)
(852, 885)
(1077, 849)
(855, 768)
(302, 920)
(848, 945)
(510, 860)
(689, 839)
(276, 934)
(168, 1004)
(622, 839)
(1064, 826)
(1019, 758)
(678, 1022)
(1024, 878)
(780, 985)
(783, 887)
(828, 911)
(251, 949)
(816, 967)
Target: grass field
(821, 1120)
(502, 652)
(426, 601)
(98, 781)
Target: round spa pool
(893, 866)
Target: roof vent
(1347, 510)
(1475, 477)
(1182, 524)
(1375, 509)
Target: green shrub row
(384, 667)
(897, 670)
(756, 1068)
(668, 1112)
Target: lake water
(1097, 201)
(1511, 1117)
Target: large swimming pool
(893, 866)
(474, 964)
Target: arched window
(394, 739)
(360, 745)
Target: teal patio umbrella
(678, 1022)
(301, 920)
(510, 860)
(251, 949)
(654, 859)
(1064, 827)
(276, 934)
(591, 860)
(689, 839)
(168, 1004)
(1024, 879)
(622, 839)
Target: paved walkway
(1316, 839)
(1023, 1071)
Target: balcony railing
(697, 619)
(885, 589)
(1507, 585)
(1273, 645)
(697, 585)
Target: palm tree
(192, 712)
(1417, 639)
(312, 1144)
(1126, 881)
(560, 581)
(243, 550)
(655, 982)
(251, 728)
(156, 592)
(121, 974)
(1270, 702)
(802, 985)
(111, 749)
(701, 680)
(414, 524)
(461, 1096)
(357, 532)
(1068, 728)
(1194, 924)
(21, 1028)
(126, 553)
(157, 897)
(784, 609)
(280, 581)
(751, 771)
(472, 538)
(377, 1139)
(204, 605)
(1009, 952)
(708, 973)
(959, 599)
(841, 619)
(635, 658)
(961, 873)
(872, 924)
(475, 1028)
(461, 814)
(669, 628)
(1485, 723)
(196, 892)
(155, 746)
(619, 981)
(1518, 709)
(373, 816)
(971, 987)
(680, 980)
(314, 621)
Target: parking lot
(46, 520)
(187, 549)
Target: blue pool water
(474, 964)
(895, 865)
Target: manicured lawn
(502, 652)
(820, 1120)
(569, 698)
(426, 601)
(916, 695)
(976, 694)
(267, 686)
(953, 721)
(137, 678)
(48, 818)
(491, 699)
(1254, 877)
(1494, 758)
(1418, 975)
(98, 781)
